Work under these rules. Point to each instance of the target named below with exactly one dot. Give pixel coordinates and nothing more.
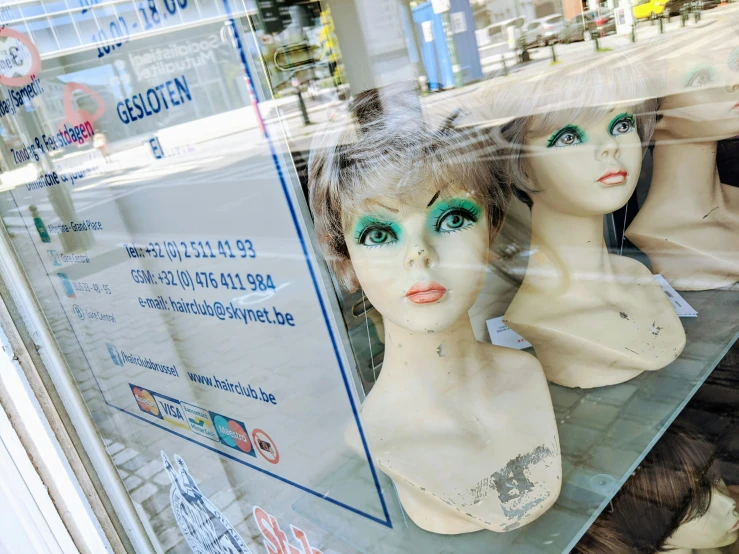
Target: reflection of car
(587, 23)
(649, 9)
(708, 4)
(544, 31)
(673, 7)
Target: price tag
(502, 335)
(682, 308)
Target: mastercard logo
(233, 434)
(146, 401)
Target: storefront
(241, 241)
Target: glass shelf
(604, 435)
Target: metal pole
(456, 68)
(554, 54)
(303, 110)
(301, 102)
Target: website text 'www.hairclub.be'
(236, 388)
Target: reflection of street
(648, 37)
(131, 163)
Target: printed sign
(166, 238)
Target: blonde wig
(585, 93)
(386, 143)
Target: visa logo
(172, 411)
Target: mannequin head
(703, 99)
(589, 166)
(577, 136)
(406, 205)
(675, 499)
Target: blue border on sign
(296, 223)
(386, 522)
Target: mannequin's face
(422, 261)
(718, 527)
(586, 169)
(706, 105)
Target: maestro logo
(146, 401)
(233, 434)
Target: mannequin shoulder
(514, 363)
(624, 264)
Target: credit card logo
(145, 401)
(199, 421)
(233, 434)
(171, 410)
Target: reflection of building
(501, 10)
(82, 61)
(573, 8)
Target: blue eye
(455, 220)
(455, 215)
(376, 233)
(622, 124)
(700, 78)
(569, 135)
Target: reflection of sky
(101, 76)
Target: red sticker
(265, 446)
(78, 117)
(35, 59)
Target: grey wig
(385, 143)
(586, 93)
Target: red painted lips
(425, 293)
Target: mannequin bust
(689, 223)
(675, 502)
(594, 318)
(464, 429)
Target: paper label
(459, 22)
(502, 335)
(427, 30)
(682, 308)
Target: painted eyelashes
(449, 216)
(371, 231)
(455, 215)
(622, 124)
(700, 77)
(571, 134)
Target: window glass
(378, 277)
